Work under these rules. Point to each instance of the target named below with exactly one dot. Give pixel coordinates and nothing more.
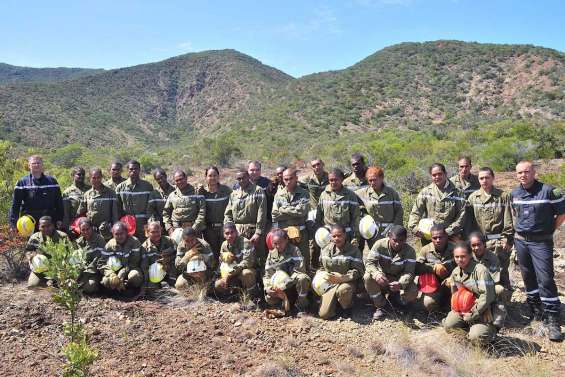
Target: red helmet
(269, 240)
(129, 220)
(463, 300)
(75, 226)
(427, 283)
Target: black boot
(536, 312)
(553, 329)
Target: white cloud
(185, 46)
(323, 21)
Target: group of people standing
(325, 238)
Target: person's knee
(480, 334)
(90, 286)
(33, 280)
(248, 278)
(430, 303)
(181, 283)
(135, 279)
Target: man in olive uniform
(381, 202)
(161, 193)
(390, 268)
(339, 205)
(465, 181)
(184, 207)
(238, 263)
(442, 202)
(315, 183)
(73, 196)
(247, 208)
(46, 232)
(357, 179)
(474, 277)
(134, 196)
(100, 205)
(437, 258)
(490, 212)
(278, 181)
(158, 248)
(488, 259)
(92, 245)
(286, 257)
(193, 249)
(290, 211)
(127, 249)
(344, 264)
(115, 176)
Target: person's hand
(255, 239)
(467, 317)
(418, 234)
(279, 293)
(440, 270)
(171, 231)
(227, 257)
(223, 283)
(59, 225)
(506, 246)
(335, 278)
(394, 286)
(382, 280)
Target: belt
(215, 225)
(300, 227)
(348, 229)
(249, 225)
(533, 237)
(491, 237)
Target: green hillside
(11, 74)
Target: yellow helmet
(39, 264)
(367, 227)
(280, 280)
(320, 283)
(25, 225)
(226, 269)
(425, 226)
(322, 237)
(156, 272)
(114, 263)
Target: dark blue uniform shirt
(37, 197)
(535, 208)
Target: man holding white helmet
(120, 262)
(285, 274)
(92, 245)
(195, 260)
(158, 248)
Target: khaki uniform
(111, 184)
(184, 209)
(315, 186)
(101, 207)
(34, 244)
(446, 207)
(159, 199)
(129, 254)
(468, 186)
(491, 214)
(339, 208)
(291, 262)
(292, 210)
(134, 199)
(354, 183)
(164, 252)
(476, 278)
(503, 295)
(201, 250)
(244, 270)
(428, 257)
(383, 261)
(72, 197)
(248, 210)
(384, 207)
(216, 203)
(93, 249)
(349, 262)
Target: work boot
(499, 314)
(536, 312)
(553, 329)
(378, 315)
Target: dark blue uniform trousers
(536, 265)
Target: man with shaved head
(539, 209)
(290, 211)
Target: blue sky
(298, 37)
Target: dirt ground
(171, 334)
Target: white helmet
(195, 265)
(114, 263)
(156, 272)
(226, 269)
(312, 215)
(367, 227)
(280, 280)
(177, 235)
(39, 264)
(322, 237)
(425, 226)
(320, 283)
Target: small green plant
(64, 268)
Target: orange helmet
(427, 283)
(75, 226)
(269, 240)
(463, 300)
(129, 220)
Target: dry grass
(283, 367)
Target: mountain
(229, 94)
(10, 74)
(148, 104)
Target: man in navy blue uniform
(37, 195)
(539, 209)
